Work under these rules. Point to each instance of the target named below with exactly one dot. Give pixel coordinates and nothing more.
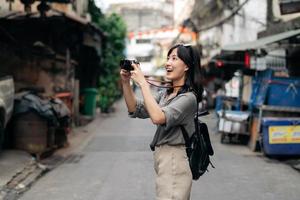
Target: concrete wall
(3, 6)
(251, 21)
(182, 10)
(243, 27)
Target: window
(144, 58)
(143, 41)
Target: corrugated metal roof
(262, 42)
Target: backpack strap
(205, 134)
(184, 132)
(187, 141)
(185, 136)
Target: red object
(219, 63)
(247, 60)
(67, 98)
(130, 35)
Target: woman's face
(175, 67)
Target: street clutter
(19, 169)
(269, 115)
(39, 124)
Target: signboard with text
(284, 134)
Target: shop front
(267, 92)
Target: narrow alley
(67, 65)
(117, 164)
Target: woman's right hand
(125, 76)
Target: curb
(22, 181)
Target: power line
(222, 21)
(219, 23)
(248, 17)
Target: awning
(70, 30)
(262, 42)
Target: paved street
(116, 164)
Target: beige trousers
(173, 175)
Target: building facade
(56, 50)
(227, 22)
(142, 15)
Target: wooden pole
(76, 103)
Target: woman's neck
(176, 90)
(177, 85)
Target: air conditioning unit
(289, 6)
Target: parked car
(6, 103)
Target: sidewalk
(12, 162)
(19, 170)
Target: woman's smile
(169, 70)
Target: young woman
(168, 110)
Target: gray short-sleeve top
(179, 110)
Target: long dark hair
(191, 57)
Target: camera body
(126, 64)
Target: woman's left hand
(137, 75)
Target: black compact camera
(126, 64)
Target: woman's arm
(129, 97)
(127, 91)
(155, 112)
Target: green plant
(108, 92)
(115, 30)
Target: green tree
(115, 30)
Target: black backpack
(198, 147)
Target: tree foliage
(113, 50)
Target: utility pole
(270, 15)
(10, 4)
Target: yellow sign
(284, 134)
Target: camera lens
(126, 64)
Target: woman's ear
(186, 68)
